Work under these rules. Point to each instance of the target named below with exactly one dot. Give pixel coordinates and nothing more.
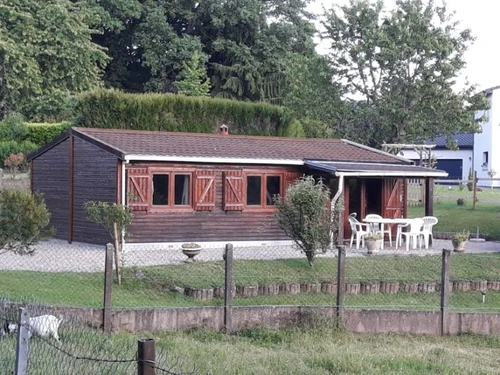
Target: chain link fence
(474, 282)
(67, 345)
(73, 275)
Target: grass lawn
(306, 350)
(454, 218)
(154, 290)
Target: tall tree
(194, 81)
(46, 54)
(400, 68)
(245, 44)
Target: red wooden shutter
(233, 191)
(138, 188)
(204, 191)
(393, 203)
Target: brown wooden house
(186, 187)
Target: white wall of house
(486, 144)
(466, 156)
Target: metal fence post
(228, 288)
(108, 287)
(445, 283)
(146, 357)
(340, 285)
(22, 346)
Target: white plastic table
(388, 221)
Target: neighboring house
(208, 188)
(478, 151)
(455, 162)
(486, 151)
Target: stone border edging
(383, 287)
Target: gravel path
(59, 256)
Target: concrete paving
(59, 256)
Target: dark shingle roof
(464, 140)
(168, 144)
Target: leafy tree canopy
(400, 67)
(244, 44)
(46, 54)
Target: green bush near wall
(113, 109)
(13, 147)
(41, 134)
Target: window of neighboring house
(485, 159)
(261, 189)
(171, 190)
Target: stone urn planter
(373, 242)
(190, 250)
(459, 240)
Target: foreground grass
(307, 350)
(319, 351)
(454, 218)
(155, 289)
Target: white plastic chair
(413, 235)
(429, 222)
(358, 229)
(375, 227)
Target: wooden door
(393, 198)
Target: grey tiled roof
(464, 140)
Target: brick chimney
(223, 130)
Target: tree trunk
(310, 257)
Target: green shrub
(113, 109)
(13, 128)
(13, 147)
(41, 134)
(24, 219)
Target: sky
(481, 16)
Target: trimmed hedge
(40, 133)
(113, 109)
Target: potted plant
(373, 241)
(459, 240)
(191, 250)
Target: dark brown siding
(95, 177)
(50, 176)
(216, 225)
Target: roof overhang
(357, 169)
(208, 159)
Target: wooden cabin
(208, 188)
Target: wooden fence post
(445, 290)
(108, 288)
(474, 191)
(146, 357)
(340, 285)
(22, 346)
(228, 289)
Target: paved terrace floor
(59, 256)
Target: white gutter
(206, 159)
(123, 200)
(391, 174)
(334, 202)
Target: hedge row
(117, 110)
(41, 134)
